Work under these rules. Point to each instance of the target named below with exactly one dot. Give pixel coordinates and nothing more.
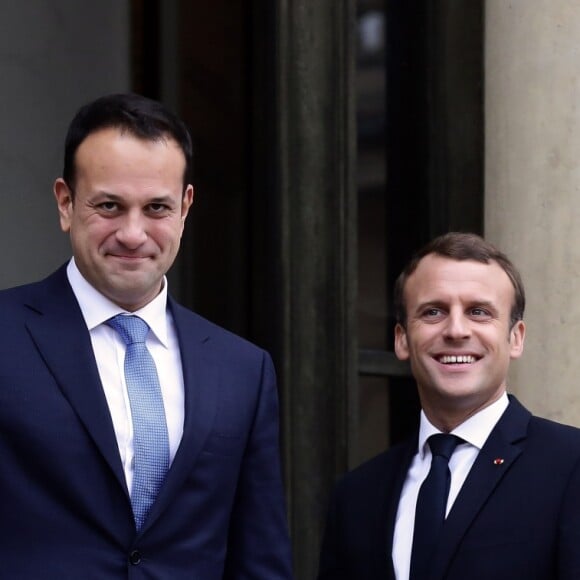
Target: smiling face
(458, 337)
(127, 213)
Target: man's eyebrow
(487, 303)
(483, 303)
(430, 304)
(106, 195)
(161, 199)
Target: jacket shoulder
(554, 433)
(28, 293)
(378, 470)
(193, 325)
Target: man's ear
(401, 345)
(187, 201)
(517, 336)
(64, 202)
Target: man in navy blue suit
(70, 444)
(512, 507)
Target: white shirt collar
(474, 430)
(97, 309)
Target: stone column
(532, 191)
(312, 153)
(54, 57)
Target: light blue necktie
(150, 440)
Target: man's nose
(457, 326)
(132, 231)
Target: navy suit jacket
(516, 519)
(65, 511)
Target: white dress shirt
(109, 350)
(474, 432)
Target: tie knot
(443, 444)
(132, 329)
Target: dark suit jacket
(513, 520)
(64, 507)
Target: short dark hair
(141, 117)
(461, 246)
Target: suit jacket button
(135, 557)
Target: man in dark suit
(511, 510)
(82, 495)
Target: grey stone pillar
(532, 197)
(54, 57)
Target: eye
(158, 208)
(478, 312)
(432, 313)
(108, 206)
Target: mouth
(456, 359)
(129, 263)
(127, 257)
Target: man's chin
(131, 296)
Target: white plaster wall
(532, 193)
(54, 56)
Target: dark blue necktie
(150, 440)
(431, 504)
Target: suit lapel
(387, 489)
(500, 451)
(57, 327)
(200, 379)
(403, 459)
